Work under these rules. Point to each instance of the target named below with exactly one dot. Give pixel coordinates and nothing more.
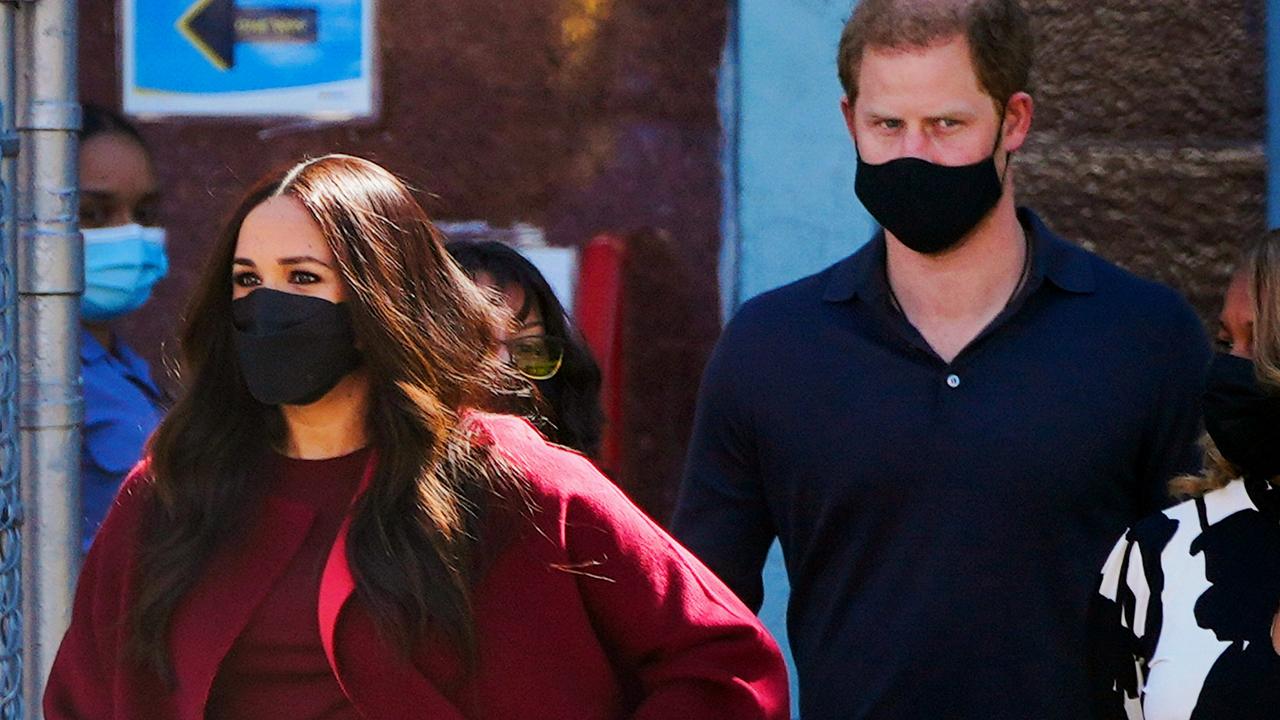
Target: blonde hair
(1261, 266)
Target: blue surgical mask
(121, 264)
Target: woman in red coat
(328, 526)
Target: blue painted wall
(790, 209)
(789, 205)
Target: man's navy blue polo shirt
(943, 524)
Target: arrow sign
(215, 26)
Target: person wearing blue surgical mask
(124, 256)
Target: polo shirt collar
(1054, 259)
(1060, 262)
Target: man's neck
(950, 298)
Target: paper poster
(311, 58)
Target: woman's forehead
(281, 227)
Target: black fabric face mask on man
(929, 207)
(292, 348)
(1243, 417)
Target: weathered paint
(790, 162)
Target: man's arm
(1172, 437)
(721, 514)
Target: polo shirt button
(953, 381)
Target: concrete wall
(790, 165)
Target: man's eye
(246, 279)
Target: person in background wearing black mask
(330, 525)
(543, 344)
(946, 429)
(1184, 624)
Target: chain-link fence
(11, 705)
(11, 700)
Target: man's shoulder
(781, 307)
(1126, 297)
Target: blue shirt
(121, 408)
(942, 523)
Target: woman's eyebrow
(299, 259)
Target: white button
(953, 381)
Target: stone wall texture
(583, 116)
(1149, 141)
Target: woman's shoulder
(124, 518)
(1194, 515)
(549, 471)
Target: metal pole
(11, 705)
(50, 282)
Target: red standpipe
(598, 310)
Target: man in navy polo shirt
(948, 429)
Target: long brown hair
(1261, 266)
(427, 336)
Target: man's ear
(1017, 120)
(846, 109)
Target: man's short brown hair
(998, 32)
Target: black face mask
(929, 207)
(292, 348)
(1243, 417)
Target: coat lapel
(373, 677)
(215, 611)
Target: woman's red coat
(597, 613)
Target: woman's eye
(147, 214)
(92, 216)
(302, 277)
(246, 279)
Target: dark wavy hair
(426, 335)
(570, 413)
(97, 120)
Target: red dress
(278, 660)
(593, 613)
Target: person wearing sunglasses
(543, 345)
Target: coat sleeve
(675, 632)
(721, 513)
(81, 682)
(1116, 668)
